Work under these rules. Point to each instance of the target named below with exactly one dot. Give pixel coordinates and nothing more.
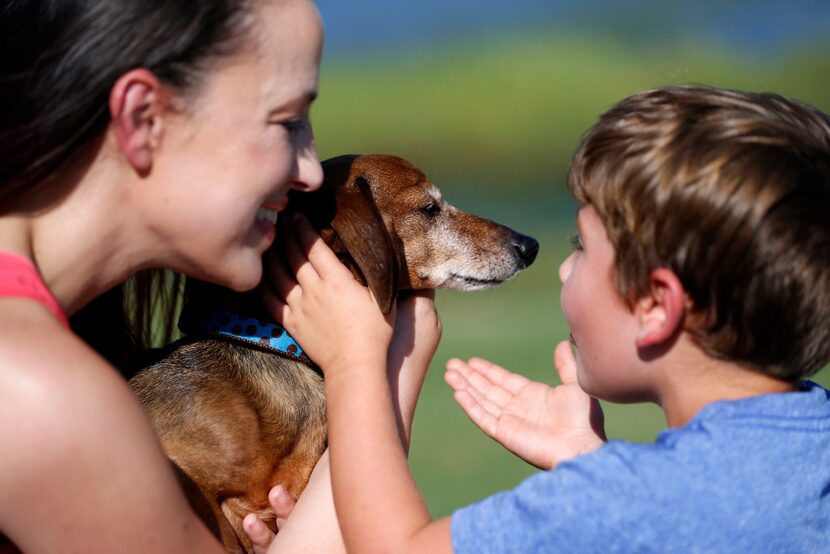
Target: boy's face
(603, 329)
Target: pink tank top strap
(20, 278)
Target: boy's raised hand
(323, 307)
(541, 424)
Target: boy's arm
(377, 502)
(313, 525)
(543, 425)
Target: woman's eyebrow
(300, 102)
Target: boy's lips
(571, 339)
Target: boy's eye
(576, 242)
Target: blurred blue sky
(757, 27)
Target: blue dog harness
(249, 331)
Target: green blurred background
(491, 99)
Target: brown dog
(237, 419)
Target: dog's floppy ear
(360, 227)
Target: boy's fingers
(483, 386)
(276, 306)
(565, 363)
(479, 416)
(480, 397)
(279, 279)
(259, 533)
(321, 257)
(301, 266)
(511, 382)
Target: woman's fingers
(259, 533)
(282, 503)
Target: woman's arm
(81, 469)
(378, 504)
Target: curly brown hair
(731, 191)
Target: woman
(134, 135)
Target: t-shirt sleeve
(599, 502)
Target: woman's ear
(137, 103)
(661, 312)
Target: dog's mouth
(475, 283)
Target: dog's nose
(526, 247)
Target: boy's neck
(693, 380)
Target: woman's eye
(294, 126)
(576, 242)
(432, 209)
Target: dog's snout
(526, 248)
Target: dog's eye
(432, 209)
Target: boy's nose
(565, 268)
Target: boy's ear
(136, 106)
(661, 312)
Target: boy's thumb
(564, 362)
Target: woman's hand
(260, 534)
(543, 425)
(333, 317)
(417, 329)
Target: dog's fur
(237, 420)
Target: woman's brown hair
(730, 191)
(59, 60)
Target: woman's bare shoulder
(77, 444)
(31, 336)
(56, 391)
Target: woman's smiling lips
(266, 218)
(276, 205)
(269, 211)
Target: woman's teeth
(267, 215)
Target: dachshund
(237, 404)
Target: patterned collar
(264, 334)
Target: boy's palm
(541, 424)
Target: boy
(700, 282)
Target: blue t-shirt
(750, 475)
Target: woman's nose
(308, 173)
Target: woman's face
(227, 161)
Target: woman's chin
(246, 274)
